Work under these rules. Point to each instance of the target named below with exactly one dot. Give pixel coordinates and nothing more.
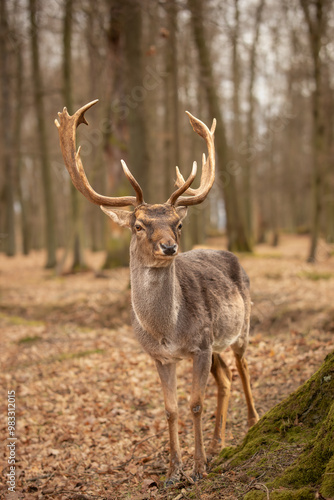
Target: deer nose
(168, 249)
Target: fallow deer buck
(189, 305)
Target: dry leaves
(90, 417)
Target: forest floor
(90, 421)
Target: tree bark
(77, 231)
(40, 112)
(247, 172)
(171, 121)
(6, 122)
(139, 158)
(235, 228)
(316, 30)
(18, 137)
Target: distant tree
(316, 19)
(250, 128)
(139, 158)
(76, 241)
(236, 233)
(6, 126)
(42, 137)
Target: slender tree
(25, 230)
(250, 130)
(77, 231)
(41, 130)
(139, 158)
(235, 226)
(171, 122)
(6, 123)
(316, 24)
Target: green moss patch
(292, 447)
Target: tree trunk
(139, 159)
(40, 112)
(77, 231)
(316, 29)
(6, 115)
(171, 108)
(18, 137)
(117, 241)
(235, 227)
(247, 167)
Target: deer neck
(155, 293)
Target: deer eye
(180, 226)
(138, 228)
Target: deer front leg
(167, 374)
(201, 370)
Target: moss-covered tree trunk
(292, 446)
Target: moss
(292, 444)
(315, 275)
(29, 340)
(327, 487)
(300, 494)
(18, 320)
(312, 464)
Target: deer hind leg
(242, 368)
(223, 378)
(167, 375)
(201, 370)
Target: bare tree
(250, 130)
(235, 226)
(6, 123)
(315, 15)
(77, 231)
(41, 130)
(138, 139)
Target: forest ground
(90, 420)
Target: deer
(193, 305)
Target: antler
(208, 169)
(67, 126)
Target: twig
(188, 478)
(259, 486)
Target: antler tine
(67, 126)
(184, 186)
(134, 183)
(198, 195)
(180, 180)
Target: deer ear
(181, 212)
(121, 217)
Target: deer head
(155, 228)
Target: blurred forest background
(263, 68)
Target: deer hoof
(173, 478)
(214, 449)
(198, 472)
(196, 476)
(253, 420)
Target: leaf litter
(90, 421)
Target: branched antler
(67, 126)
(198, 195)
